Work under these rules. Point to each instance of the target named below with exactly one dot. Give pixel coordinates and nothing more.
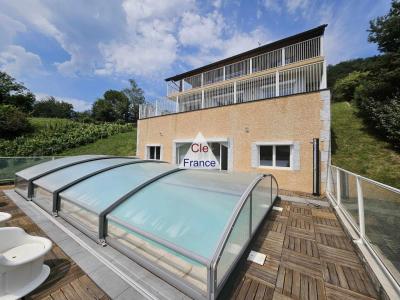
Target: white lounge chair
(4, 217)
(21, 262)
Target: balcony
(290, 66)
(282, 81)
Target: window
(275, 156)
(154, 152)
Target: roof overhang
(317, 31)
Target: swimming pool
(189, 227)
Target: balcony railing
(280, 57)
(371, 210)
(308, 78)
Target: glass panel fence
(348, 194)
(188, 270)
(10, 165)
(235, 243)
(382, 223)
(332, 182)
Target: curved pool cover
(190, 227)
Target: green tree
(120, 104)
(52, 108)
(114, 106)
(345, 87)
(102, 110)
(385, 30)
(15, 93)
(136, 97)
(13, 122)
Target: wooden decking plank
(63, 270)
(311, 252)
(260, 292)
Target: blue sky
(75, 50)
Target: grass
(356, 149)
(123, 144)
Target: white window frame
(222, 140)
(147, 150)
(274, 144)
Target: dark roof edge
(317, 31)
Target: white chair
(4, 217)
(21, 262)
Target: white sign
(199, 155)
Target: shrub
(57, 136)
(12, 122)
(345, 87)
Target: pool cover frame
(211, 264)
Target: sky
(76, 50)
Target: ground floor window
(219, 149)
(154, 152)
(275, 156)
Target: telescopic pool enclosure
(190, 227)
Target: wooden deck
(66, 281)
(308, 257)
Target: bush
(381, 114)
(12, 122)
(57, 136)
(345, 87)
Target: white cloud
(78, 104)
(201, 31)
(18, 62)
(294, 5)
(272, 5)
(9, 29)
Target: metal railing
(280, 57)
(372, 209)
(307, 78)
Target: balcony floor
(309, 256)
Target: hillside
(119, 144)
(355, 149)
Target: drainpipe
(316, 167)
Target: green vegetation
(51, 108)
(356, 149)
(123, 144)
(52, 136)
(373, 84)
(13, 122)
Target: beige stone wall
(294, 118)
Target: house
(259, 112)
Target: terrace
(344, 246)
(291, 66)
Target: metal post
(338, 192)
(251, 65)
(202, 99)
(156, 107)
(223, 73)
(234, 93)
(361, 215)
(283, 56)
(177, 104)
(277, 84)
(316, 167)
